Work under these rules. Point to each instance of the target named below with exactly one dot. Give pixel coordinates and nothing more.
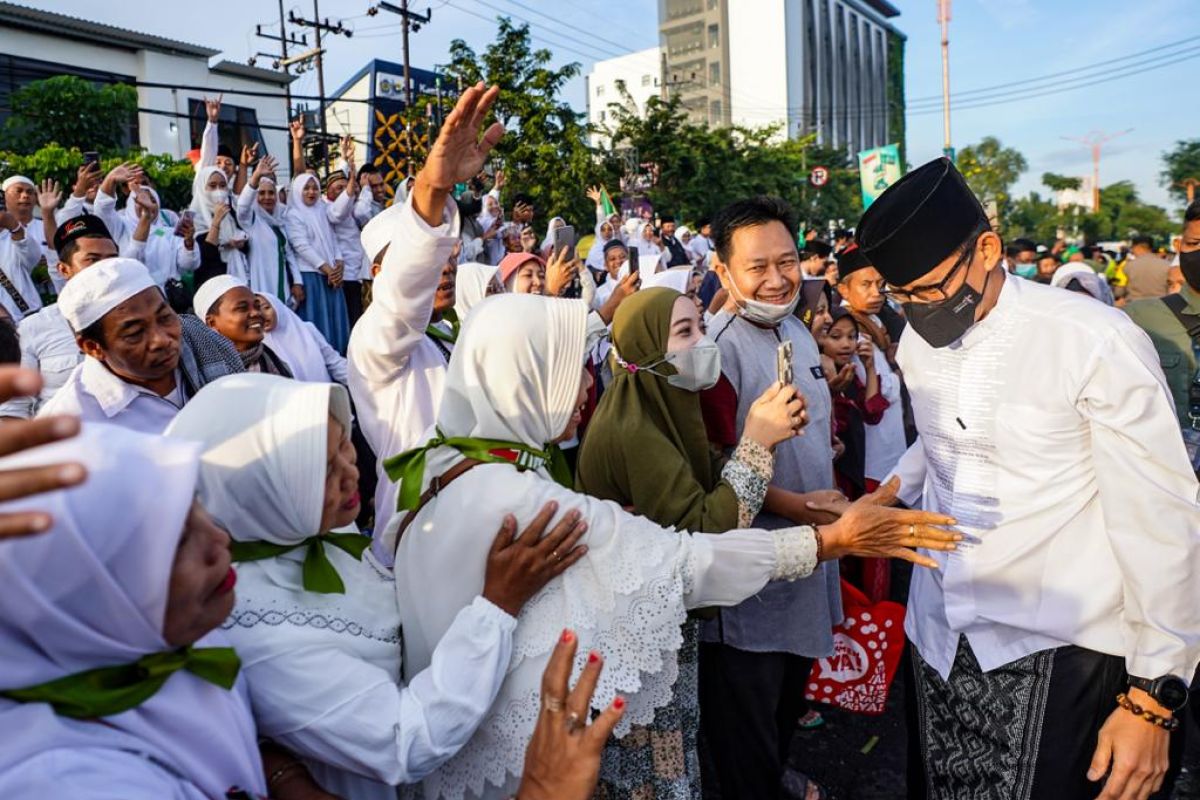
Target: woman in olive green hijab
(646, 448)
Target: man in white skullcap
(143, 361)
(20, 251)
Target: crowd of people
(309, 494)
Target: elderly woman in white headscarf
(320, 257)
(227, 305)
(300, 344)
(515, 386)
(270, 268)
(222, 241)
(316, 622)
(491, 221)
(1077, 277)
(116, 682)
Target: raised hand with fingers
(49, 196)
(297, 129)
(593, 194)
(267, 165)
(249, 154)
(19, 435)
(869, 527)
(561, 269)
(463, 145)
(87, 177)
(518, 568)
(562, 761)
(212, 107)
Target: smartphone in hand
(563, 237)
(783, 363)
(633, 260)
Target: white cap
(380, 230)
(100, 288)
(14, 180)
(213, 290)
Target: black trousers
(1025, 731)
(354, 301)
(749, 706)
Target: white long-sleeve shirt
(885, 442)
(164, 254)
(48, 347)
(1065, 468)
(396, 371)
(342, 219)
(263, 258)
(17, 260)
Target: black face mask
(1189, 265)
(944, 323)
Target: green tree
(1123, 214)
(70, 112)
(1033, 218)
(991, 169)
(1179, 164)
(545, 154)
(1060, 183)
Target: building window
(238, 126)
(645, 80)
(714, 36)
(16, 72)
(685, 40)
(599, 90)
(683, 8)
(715, 117)
(713, 4)
(602, 115)
(714, 74)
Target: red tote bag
(867, 647)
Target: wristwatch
(1169, 691)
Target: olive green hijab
(646, 445)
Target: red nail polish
(567, 636)
(593, 657)
(618, 702)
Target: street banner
(878, 168)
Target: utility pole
(944, 21)
(281, 60)
(1095, 142)
(407, 19)
(1190, 184)
(319, 26)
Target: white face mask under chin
(763, 313)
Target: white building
(1084, 196)
(810, 66)
(172, 78)
(641, 74)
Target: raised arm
(297, 130)
(210, 139)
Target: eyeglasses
(933, 293)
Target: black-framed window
(237, 127)
(18, 71)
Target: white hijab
(203, 207)
(486, 218)
(313, 218)
(161, 244)
(293, 340)
(471, 287)
(515, 376)
(677, 278)
(548, 241)
(92, 592)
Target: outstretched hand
(212, 107)
(463, 145)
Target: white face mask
(216, 196)
(697, 368)
(763, 313)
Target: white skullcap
(14, 180)
(100, 288)
(378, 232)
(213, 290)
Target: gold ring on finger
(574, 723)
(552, 704)
(912, 531)
(554, 554)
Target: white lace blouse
(626, 598)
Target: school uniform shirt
(346, 230)
(1048, 432)
(396, 371)
(47, 346)
(97, 395)
(17, 260)
(797, 617)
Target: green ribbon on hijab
(319, 574)
(438, 333)
(409, 467)
(106, 691)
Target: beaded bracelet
(820, 543)
(1166, 723)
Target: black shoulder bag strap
(6, 282)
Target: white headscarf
(1094, 283)
(204, 206)
(677, 278)
(313, 218)
(485, 218)
(515, 376)
(471, 287)
(548, 241)
(92, 592)
(293, 340)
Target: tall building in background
(834, 68)
(639, 73)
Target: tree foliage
(1060, 183)
(991, 169)
(71, 112)
(1179, 164)
(545, 153)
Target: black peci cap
(851, 260)
(919, 221)
(84, 226)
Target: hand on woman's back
(518, 567)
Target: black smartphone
(91, 157)
(633, 260)
(563, 237)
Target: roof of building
(253, 73)
(884, 7)
(17, 16)
(380, 65)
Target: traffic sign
(819, 176)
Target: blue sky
(992, 42)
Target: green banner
(878, 168)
